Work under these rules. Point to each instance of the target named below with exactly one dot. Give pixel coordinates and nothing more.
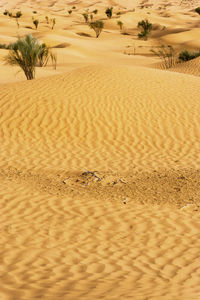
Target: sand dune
(76, 239)
(190, 67)
(86, 119)
(99, 160)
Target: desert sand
(100, 158)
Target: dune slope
(67, 236)
(101, 118)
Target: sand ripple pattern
(61, 248)
(190, 67)
(116, 118)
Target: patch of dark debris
(175, 187)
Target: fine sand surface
(100, 158)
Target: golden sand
(100, 158)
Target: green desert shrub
(6, 12)
(146, 29)
(27, 53)
(97, 26)
(18, 14)
(120, 24)
(118, 13)
(185, 55)
(197, 10)
(95, 11)
(69, 12)
(167, 55)
(3, 46)
(53, 22)
(108, 12)
(85, 16)
(7, 46)
(36, 23)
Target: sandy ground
(99, 160)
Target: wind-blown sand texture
(100, 159)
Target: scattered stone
(181, 177)
(190, 206)
(122, 181)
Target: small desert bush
(197, 10)
(97, 26)
(36, 23)
(53, 22)
(18, 14)
(4, 46)
(6, 12)
(108, 12)
(69, 12)
(120, 24)
(95, 11)
(118, 13)
(185, 55)
(85, 16)
(167, 55)
(147, 27)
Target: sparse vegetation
(47, 19)
(69, 12)
(27, 53)
(91, 17)
(17, 21)
(95, 11)
(97, 26)
(18, 14)
(108, 12)
(167, 55)
(74, 7)
(185, 55)
(34, 12)
(4, 46)
(197, 10)
(118, 13)
(6, 12)
(36, 23)
(85, 16)
(120, 24)
(53, 22)
(147, 27)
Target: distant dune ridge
(99, 160)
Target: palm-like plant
(27, 53)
